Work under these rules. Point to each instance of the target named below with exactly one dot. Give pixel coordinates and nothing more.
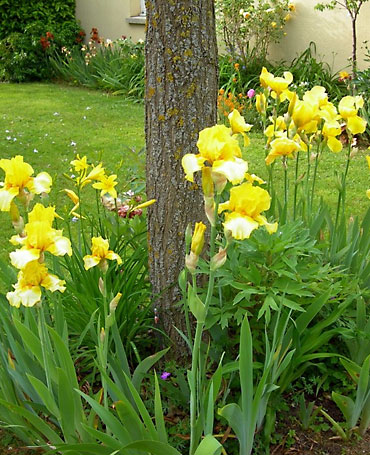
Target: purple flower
(165, 375)
(251, 93)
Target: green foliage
(24, 55)
(16, 15)
(116, 66)
(249, 29)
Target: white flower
(35, 151)
(73, 144)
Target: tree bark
(181, 100)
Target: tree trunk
(181, 100)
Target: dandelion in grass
(100, 253)
(245, 207)
(20, 183)
(27, 290)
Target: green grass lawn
(49, 124)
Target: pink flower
(251, 93)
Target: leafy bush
(16, 15)
(25, 55)
(248, 28)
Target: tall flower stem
(195, 379)
(308, 180)
(342, 192)
(44, 344)
(317, 158)
(295, 186)
(285, 166)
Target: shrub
(25, 55)
(248, 29)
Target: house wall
(111, 17)
(330, 30)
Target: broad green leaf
(152, 447)
(108, 419)
(196, 306)
(346, 405)
(209, 446)
(45, 395)
(130, 419)
(158, 410)
(66, 401)
(40, 425)
(144, 366)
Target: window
(142, 8)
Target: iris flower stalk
(196, 379)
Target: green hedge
(16, 15)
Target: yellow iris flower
(282, 146)
(18, 177)
(277, 84)
(330, 131)
(245, 206)
(100, 252)
(305, 116)
(27, 290)
(39, 237)
(348, 108)
(261, 103)
(218, 148)
(106, 185)
(238, 125)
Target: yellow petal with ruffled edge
(91, 261)
(53, 283)
(240, 226)
(368, 160)
(233, 171)
(356, 124)
(113, 257)
(61, 245)
(191, 163)
(41, 213)
(41, 183)
(237, 122)
(334, 144)
(20, 258)
(368, 193)
(270, 227)
(28, 297)
(6, 197)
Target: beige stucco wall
(110, 18)
(330, 30)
